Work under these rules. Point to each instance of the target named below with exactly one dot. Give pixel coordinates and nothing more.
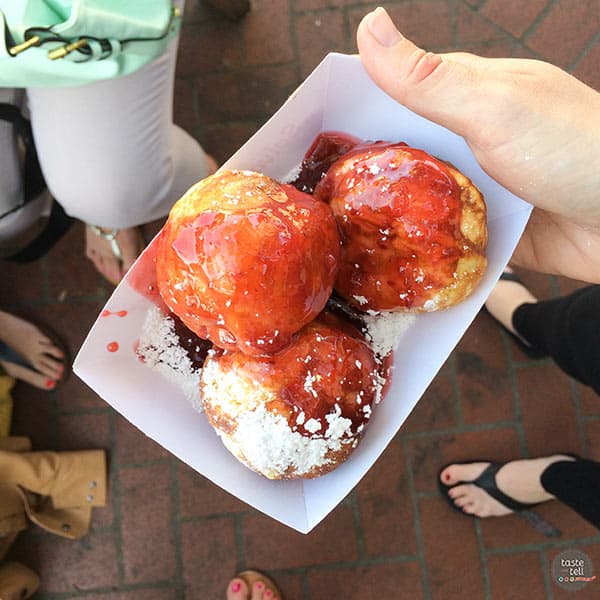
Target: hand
(532, 127)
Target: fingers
(437, 87)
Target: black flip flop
(487, 482)
(529, 351)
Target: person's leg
(568, 329)
(576, 484)
(573, 481)
(112, 156)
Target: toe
(48, 367)
(458, 491)
(48, 347)
(258, 591)
(38, 380)
(470, 508)
(456, 473)
(237, 590)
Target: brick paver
(171, 535)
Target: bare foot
(252, 585)
(519, 479)
(45, 358)
(505, 298)
(99, 251)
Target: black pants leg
(577, 484)
(568, 330)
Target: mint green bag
(49, 43)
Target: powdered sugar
(384, 330)
(264, 442)
(292, 175)
(159, 348)
(262, 439)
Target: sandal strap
(487, 482)
(111, 237)
(510, 276)
(9, 355)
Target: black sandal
(529, 351)
(487, 482)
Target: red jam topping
(196, 348)
(324, 151)
(399, 211)
(327, 365)
(109, 313)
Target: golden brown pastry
(413, 228)
(246, 262)
(299, 413)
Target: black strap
(11, 113)
(58, 224)
(487, 482)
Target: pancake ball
(246, 262)
(298, 414)
(413, 229)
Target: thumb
(438, 87)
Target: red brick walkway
(168, 533)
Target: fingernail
(236, 586)
(382, 28)
(50, 383)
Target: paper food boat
(340, 96)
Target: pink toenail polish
(258, 585)
(446, 476)
(236, 586)
(268, 593)
(50, 384)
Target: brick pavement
(170, 534)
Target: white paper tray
(340, 96)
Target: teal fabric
(135, 32)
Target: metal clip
(66, 49)
(32, 41)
